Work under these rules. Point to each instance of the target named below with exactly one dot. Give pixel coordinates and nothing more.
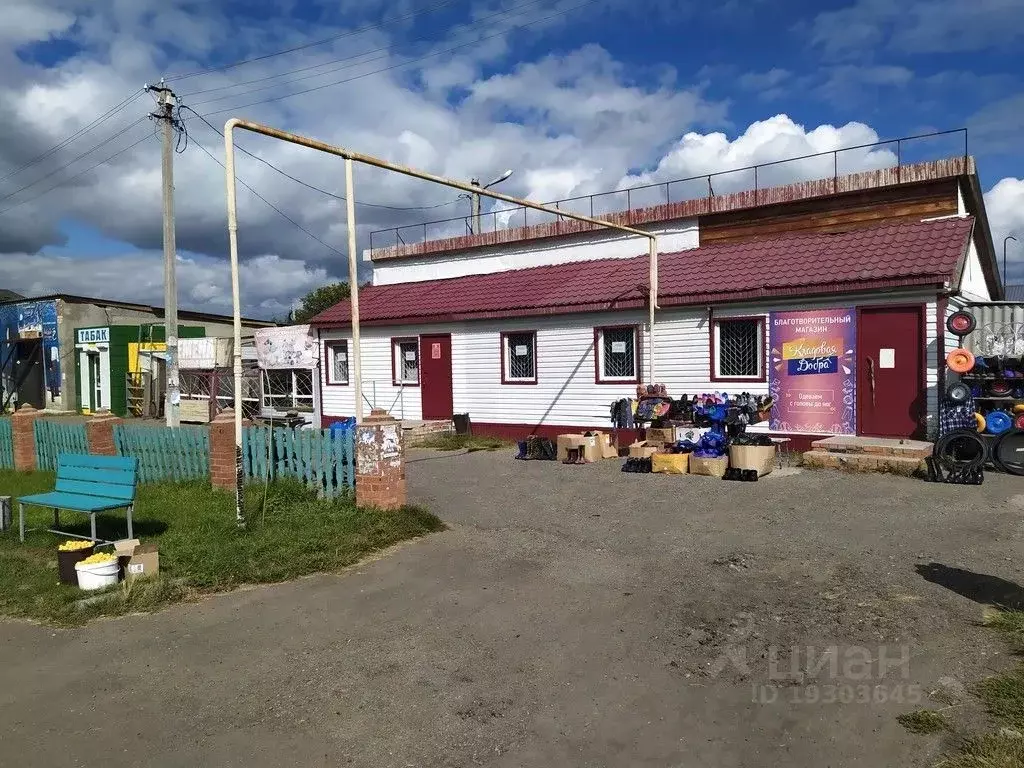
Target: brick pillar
(100, 431)
(23, 426)
(380, 462)
(222, 450)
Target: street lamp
(475, 198)
(1008, 237)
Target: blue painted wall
(28, 316)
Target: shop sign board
(93, 336)
(813, 371)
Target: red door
(436, 376)
(890, 372)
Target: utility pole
(474, 199)
(164, 114)
(475, 207)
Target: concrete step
(917, 449)
(865, 462)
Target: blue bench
(87, 484)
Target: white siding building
(539, 329)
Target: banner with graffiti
(812, 374)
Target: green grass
(923, 721)
(201, 550)
(1011, 624)
(1003, 694)
(1003, 698)
(452, 442)
(993, 750)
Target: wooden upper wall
(839, 213)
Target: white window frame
(602, 377)
(399, 364)
(332, 347)
(297, 401)
(716, 362)
(507, 376)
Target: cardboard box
(709, 467)
(759, 457)
(606, 449)
(660, 435)
(137, 559)
(641, 450)
(670, 463)
(587, 444)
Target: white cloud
(271, 283)
(997, 127)
(571, 122)
(27, 22)
(919, 26)
(1004, 204)
(764, 141)
(759, 81)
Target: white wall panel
(673, 236)
(566, 393)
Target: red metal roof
(894, 255)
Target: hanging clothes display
(622, 413)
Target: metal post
(236, 302)
(173, 395)
(353, 282)
(653, 303)
(407, 171)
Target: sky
(575, 96)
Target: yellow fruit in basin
(73, 545)
(99, 558)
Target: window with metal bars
(337, 362)
(739, 349)
(617, 353)
(520, 351)
(288, 389)
(406, 361)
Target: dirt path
(571, 616)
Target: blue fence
(322, 459)
(166, 453)
(6, 445)
(54, 437)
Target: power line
(77, 175)
(261, 197)
(384, 51)
(400, 64)
(72, 162)
(313, 186)
(340, 36)
(77, 134)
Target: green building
(121, 367)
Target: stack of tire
(998, 434)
